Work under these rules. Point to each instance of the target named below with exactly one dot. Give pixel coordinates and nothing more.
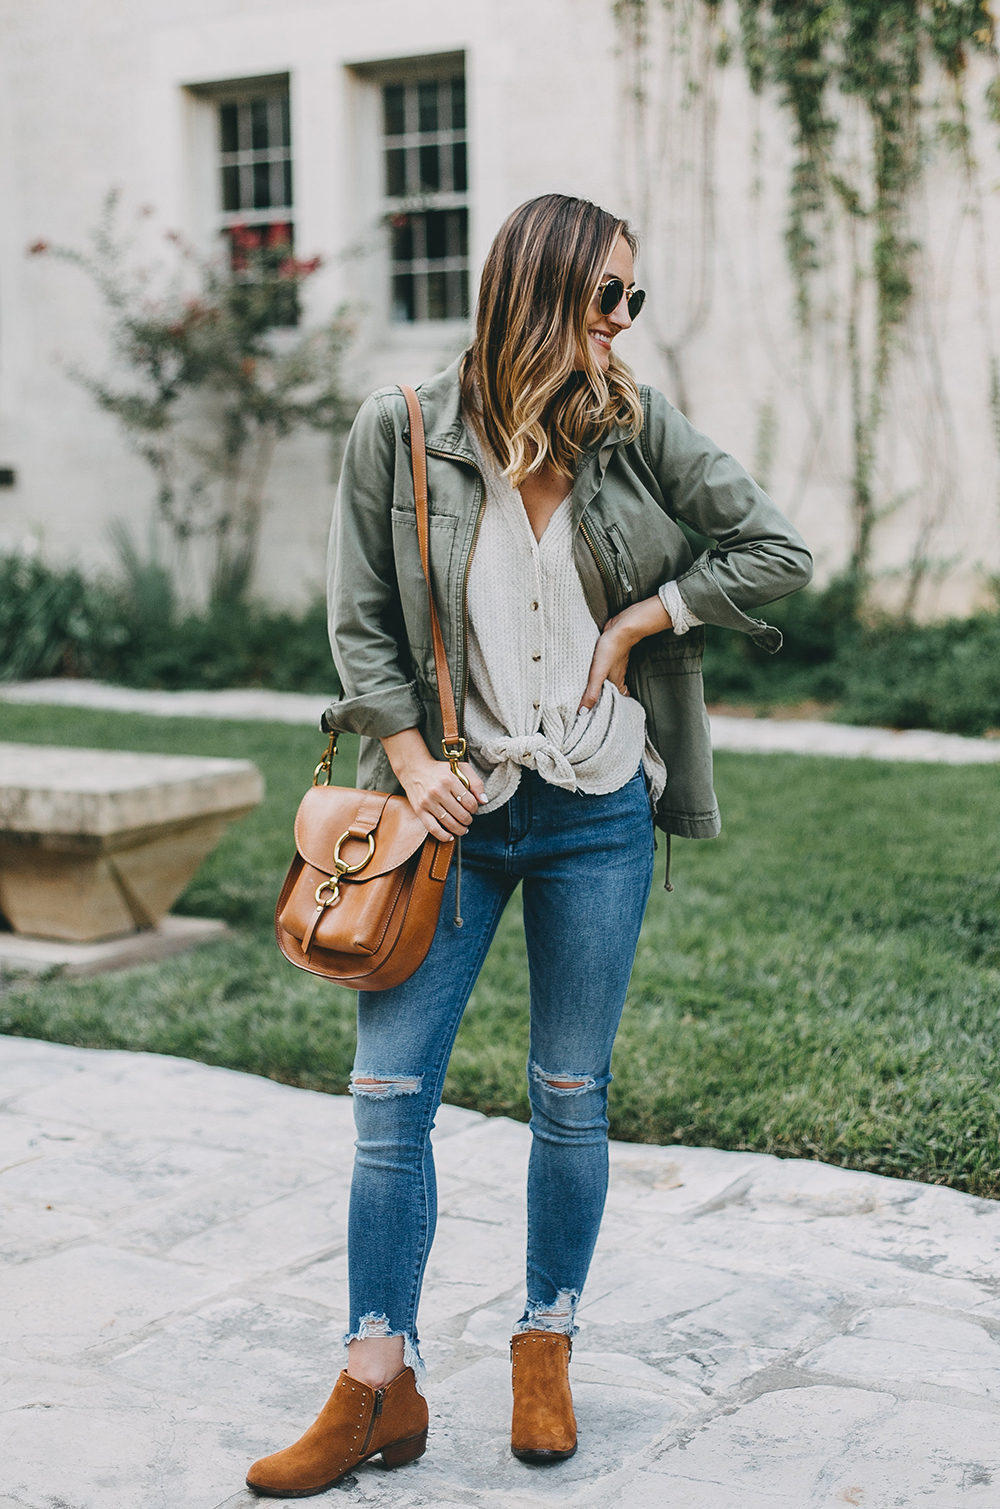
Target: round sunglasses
(611, 293)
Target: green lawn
(824, 981)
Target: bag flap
(326, 812)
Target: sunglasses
(611, 293)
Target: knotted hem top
(531, 643)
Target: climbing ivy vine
(896, 71)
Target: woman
(567, 593)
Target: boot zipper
(379, 1396)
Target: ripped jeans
(585, 867)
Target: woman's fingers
(445, 807)
(476, 786)
(609, 663)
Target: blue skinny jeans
(585, 866)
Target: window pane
(402, 297)
(395, 171)
(394, 99)
(402, 238)
(430, 168)
(286, 122)
(437, 234)
(258, 126)
(262, 185)
(427, 100)
(437, 296)
(461, 218)
(228, 129)
(458, 104)
(230, 189)
(287, 181)
(459, 182)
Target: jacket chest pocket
(624, 564)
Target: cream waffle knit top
(531, 642)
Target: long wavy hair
(530, 382)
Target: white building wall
(95, 93)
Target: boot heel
(405, 1451)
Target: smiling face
(602, 328)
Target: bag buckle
(340, 869)
(454, 750)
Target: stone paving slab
(756, 1333)
(743, 735)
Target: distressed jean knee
(373, 1086)
(564, 1081)
(568, 1107)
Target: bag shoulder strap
(452, 744)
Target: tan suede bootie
(543, 1428)
(356, 1422)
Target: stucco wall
(95, 93)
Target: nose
(620, 315)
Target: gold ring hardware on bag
(325, 763)
(340, 869)
(454, 750)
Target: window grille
(255, 161)
(426, 187)
(255, 141)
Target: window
(255, 188)
(425, 193)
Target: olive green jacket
(627, 499)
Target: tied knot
(534, 752)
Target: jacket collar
(446, 430)
(444, 424)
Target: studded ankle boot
(543, 1428)
(357, 1422)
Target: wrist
(406, 752)
(639, 621)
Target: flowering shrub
(206, 384)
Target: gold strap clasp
(454, 750)
(325, 763)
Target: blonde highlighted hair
(530, 382)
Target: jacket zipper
(379, 1396)
(607, 573)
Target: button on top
(534, 605)
(536, 657)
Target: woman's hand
(621, 634)
(439, 799)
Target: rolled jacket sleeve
(365, 617)
(758, 556)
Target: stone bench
(98, 844)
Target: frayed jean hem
(559, 1316)
(372, 1327)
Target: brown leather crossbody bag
(363, 894)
